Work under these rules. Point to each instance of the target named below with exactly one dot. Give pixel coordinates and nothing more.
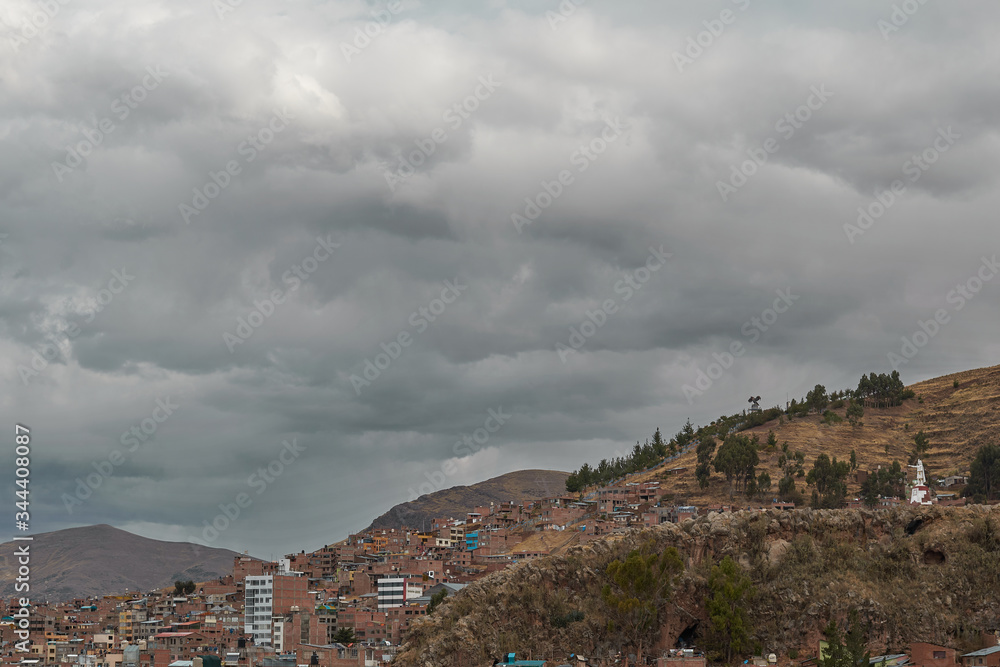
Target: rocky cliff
(914, 573)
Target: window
(939, 655)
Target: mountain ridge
(98, 560)
(457, 500)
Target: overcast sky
(563, 214)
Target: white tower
(920, 494)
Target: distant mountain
(102, 560)
(456, 501)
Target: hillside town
(351, 603)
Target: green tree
(854, 413)
(184, 587)
(737, 459)
(730, 592)
(886, 482)
(772, 440)
(573, 483)
(787, 491)
(685, 435)
(636, 591)
(830, 481)
(854, 460)
(849, 651)
(817, 399)
(856, 641)
(786, 485)
(436, 600)
(763, 483)
(921, 445)
(703, 471)
(344, 636)
(984, 473)
(831, 417)
(659, 446)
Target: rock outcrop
(913, 573)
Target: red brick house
(987, 657)
(923, 654)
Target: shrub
(983, 533)
(564, 620)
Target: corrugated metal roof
(984, 651)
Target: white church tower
(920, 493)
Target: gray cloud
(323, 174)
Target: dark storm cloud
(276, 142)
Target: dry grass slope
(957, 422)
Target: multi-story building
(394, 591)
(270, 596)
(257, 607)
(129, 619)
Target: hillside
(517, 486)
(913, 573)
(956, 420)
(102, 560)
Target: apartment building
(267, 596)
(394, 591)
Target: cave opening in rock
(687, 638)
(934, 557)
(914, 526)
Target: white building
(259, 597)
(395, 591)
(920, 493)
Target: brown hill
(456, 501)
(913, 574)
(956, 420)
(102, 560)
